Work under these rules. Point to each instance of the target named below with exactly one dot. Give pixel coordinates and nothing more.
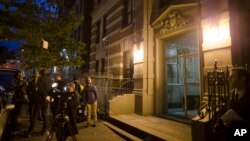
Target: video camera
(54, 85)
(56, 89)
(63, 106)
(62, 115)
(60, 97)
(62, 118)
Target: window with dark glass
(96, 2)
(163, 3)
(93, 2)
(102, 65)
(75, 34)
(104, 26)
(127, 65)
(97, 66)
(97, 32)
(77, 9)
(79, 33)
(128, 12)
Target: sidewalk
(152, 127)
(98, 133)
(118, 128)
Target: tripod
(58, 127)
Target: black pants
(43, 106)
(31, 109)
(15, 113)
(53, 109)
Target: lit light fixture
(216, 32)
(138, 53)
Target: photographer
(68, 104)
(57, 90)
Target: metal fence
(110, 87)
(218, 90)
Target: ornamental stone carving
(173, 21)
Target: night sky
(10, 44)
(16, 44)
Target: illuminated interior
(216, 32)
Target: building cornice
(171, 8)
(174, 18)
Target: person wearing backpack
(81, 111)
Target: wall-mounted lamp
(138, 53)
(216, 31)
(105, 39)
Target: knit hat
(71, 84)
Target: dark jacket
(77, 86)
(19, 91)
(61, 85)
(44, 85)
(90, 94)
(68, 105)
(56, 94)
(242, 108)
(32, 91)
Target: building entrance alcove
(182, 75)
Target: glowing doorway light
(216, 32)
(138, 53)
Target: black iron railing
(218, 89)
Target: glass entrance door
(182, 76)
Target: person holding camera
(68, 104)
(57, 90)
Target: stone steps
(152, 128)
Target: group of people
(63, 99)
(39, 94)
